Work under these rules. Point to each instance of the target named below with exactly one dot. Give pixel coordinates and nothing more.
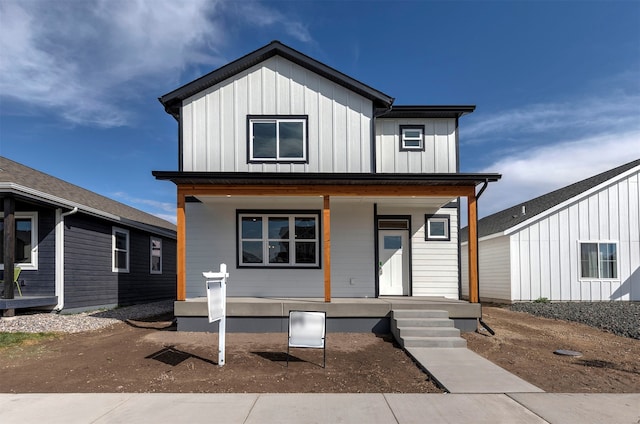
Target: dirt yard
(151, 357)
(525, 345)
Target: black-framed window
(412, 137)
(278, 239)
(598, 260)
(437, 227)
(277, 138)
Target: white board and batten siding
(214, 122)
(439, 155)
(544, 256)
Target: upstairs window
(277, 139)
(289, 240)
(412, 137)
(598, 260)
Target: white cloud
(537, 171)
(84, 59)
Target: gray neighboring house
(79, 250)
(578, 243)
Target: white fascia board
(60, 202)
(484, 238)
(570, 201)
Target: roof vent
(524, 210)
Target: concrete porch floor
(262, 314)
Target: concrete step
(428, 332)
(433, 342)
(423, 322)
(420, 313)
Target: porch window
(412, 137)
(437, 227)
(598, 260)
(277, 138)
(278, 239)
(156, 256)
(120, 243)
(26, 240)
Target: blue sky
(556, 84)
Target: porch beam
(9, 256)
(327, 190)
(181, 247)
(326, 230)
(472, 218)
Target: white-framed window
(437, 227)
(26, 240)
(598, 260)
(120, 242)
(279, 239)
(412, 137)
(156, 255)
(277, 138)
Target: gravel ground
(87, 321)
(621, 318)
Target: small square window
(412, 137)
(437, 227)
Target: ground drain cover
(567, 352)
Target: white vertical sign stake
(216, 285)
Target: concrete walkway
(157, 408)
(459, 370)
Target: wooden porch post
(9, 247)
(181, 247)
(326, 220)
(473, 248)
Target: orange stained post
(326, 221)
(181, 260)
(473, 249)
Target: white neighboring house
(578, 243)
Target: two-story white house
(310, 184)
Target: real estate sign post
(216, 284)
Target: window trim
(404, 147)
(427, 227)
(265, 214)
(599, 277)
(33, 216)
(115, 230)
(278, 118)
(151, 255)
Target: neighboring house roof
(173, 100)
(510, 217)
(29, 183)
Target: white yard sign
(216, 285)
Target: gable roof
(32, 184)
(173, 100)
(510, 217)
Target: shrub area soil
(135, 358)
(525, 345)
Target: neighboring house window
(274, 239)
(120, 239)
(437, 227)
(26, 240)
(412, 137)
(598, 260)
(156, 255)
(277, 138)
